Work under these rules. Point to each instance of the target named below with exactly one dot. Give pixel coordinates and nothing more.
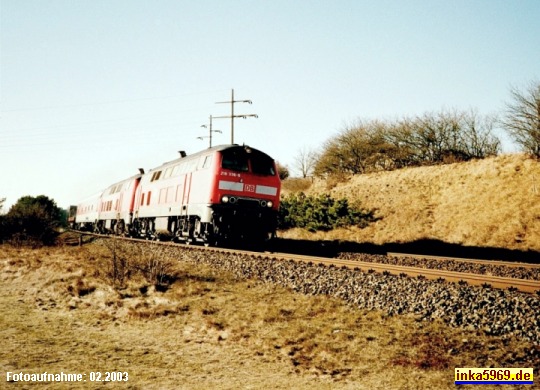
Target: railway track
(475, 261)
(523, 285)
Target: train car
(109, 211)
(87, 214)
(72, 214)
(115, 213)
(222, 193)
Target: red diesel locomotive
(222, 193)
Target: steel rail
(466, 260)
(524, 285)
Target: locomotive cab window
(207, 161)
(156, 176)
(235, 160)
(261, 164)
(168, 172)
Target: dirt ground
(58, 313)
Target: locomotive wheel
(213, 241)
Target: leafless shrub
(155, 265)
(443, 137)
(130, 260)
(119, 266)
(433, 138)
(522, 119)
(357, 149)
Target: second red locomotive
(222, 193)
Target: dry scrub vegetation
(180, 325)
(493, 202)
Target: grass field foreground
(61, 311)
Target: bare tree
(442, 137)
(305, 161)
(345, 153)
(522, 119)
(360, 147)
(433, 138)
(438, 135)
(477, 138)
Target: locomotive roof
(125, 180)
(217, 148)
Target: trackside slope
(485, 203)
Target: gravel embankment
(496, 312)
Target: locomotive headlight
(269, 204)
(225, 199)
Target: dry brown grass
(488, 203)
(296, 184)
(59, 312)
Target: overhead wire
(108, 102)
(56, 134)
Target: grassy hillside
(487, 203)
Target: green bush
(320, 213)
(32, 221)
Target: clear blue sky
(92, 90)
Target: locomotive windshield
(235, 159)
(261, 164)
(238, 159)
